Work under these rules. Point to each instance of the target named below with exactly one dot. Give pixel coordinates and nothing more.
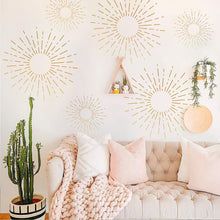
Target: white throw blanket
(93, 198)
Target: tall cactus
(19, 159)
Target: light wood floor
(5, 216)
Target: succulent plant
(125, 81)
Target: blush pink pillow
(128, 163)
(204, 169)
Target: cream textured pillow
(128, 163)
(204, 169)
(92, 157)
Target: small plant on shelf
(125, 87)
(203, 70)
(22, 168)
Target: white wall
(1, 147)
(95, 66)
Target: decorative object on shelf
(198, 119)
(193, 28)
(116, 87)
(125, 87)
(67, 15)
(40, 63)
(204, 70)
(21, 171)
(159, 101)
(127, 28)
(86, 114)
(120, 83)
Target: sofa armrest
(55, 171)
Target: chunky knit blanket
(93, 198)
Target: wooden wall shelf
(121, 72)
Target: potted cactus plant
(21, 171)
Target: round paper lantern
(198, 119)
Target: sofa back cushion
(163, 159)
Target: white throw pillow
(204, 169)
(183, 174)
(92, 157)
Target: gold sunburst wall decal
(86, 113)
(159, 101)
(129, 28)
(66, 14)
(193, 28)
(40, 63)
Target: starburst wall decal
(129, 28)
(193, 28)
(159, 102)
(66, 14)
(39, 63)
(86, 113)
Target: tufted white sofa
(163, 197)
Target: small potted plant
(204, 70)
(21, 171)
(125, 87)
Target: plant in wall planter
(21, 171)
(204, 70)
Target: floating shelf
(118, 77)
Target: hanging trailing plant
(202, 72)
(195, 88)
(212, 76)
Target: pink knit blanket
(93, 198)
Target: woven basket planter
(36, 210)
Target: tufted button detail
(159, 157)
(165, 171)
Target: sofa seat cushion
(170, 200)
